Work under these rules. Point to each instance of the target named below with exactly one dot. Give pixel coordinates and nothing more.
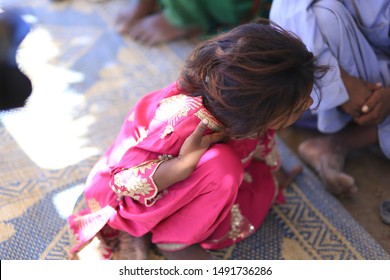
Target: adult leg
(327, 154)
(156, 28)
(137, 10)
(177, 19)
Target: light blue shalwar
(353, 34)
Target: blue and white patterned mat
(86, 78)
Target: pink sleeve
(137, 182)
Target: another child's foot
(132, 248)
(328, 160)
(155, 29)
(137, 10)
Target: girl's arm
(181, 167)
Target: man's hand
(359, 92)
(376, 108)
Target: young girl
(193, 166)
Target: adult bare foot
(328, 160)
(132, 248)
(137, 10)
(155, 29)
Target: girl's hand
(181, 167)
(196, 145)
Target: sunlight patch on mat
(49, 128)
(65, 200)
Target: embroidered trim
(272, 159)
(168, 130)
(240, 226)
(93, 205)
(269, 153)
(137, 182)
(248, 157)
(248, 177)
(179, 106)
(126, 183)
(213, 124)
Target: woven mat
(86, 78)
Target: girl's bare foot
(194, 252)
(132, 248)
(137, 10)
(328, 160)
(155, 29)
(97, 249)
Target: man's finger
(370, 103)
(374, 87)
(365, 109)
(369, 118)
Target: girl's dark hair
(252, 75)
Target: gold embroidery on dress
(273, 157)
(269, 154)
(212, 124)
(168, 130)
(260, 151)
(140, 134)
(179, 106)
(134, 185)
(129, 182)
(143, 166)
(248, 157)
(93, 204)
(240, 226)
(247, 177)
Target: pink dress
(225, 199)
